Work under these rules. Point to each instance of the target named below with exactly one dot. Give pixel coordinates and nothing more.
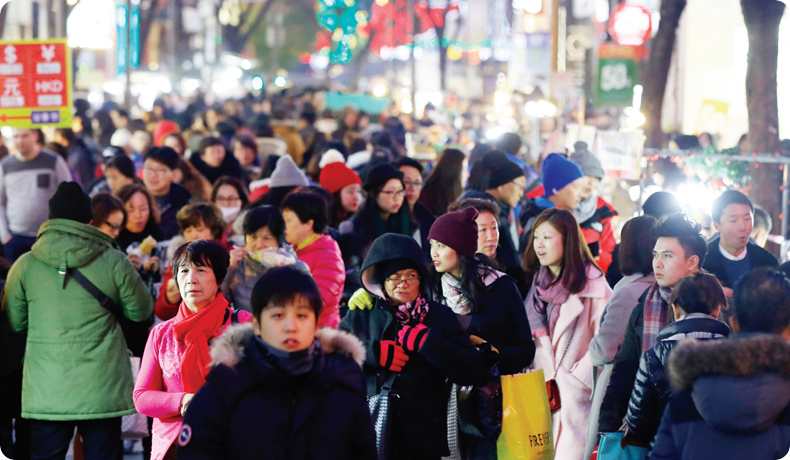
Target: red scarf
(194, 331)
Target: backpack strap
(104, 300)
(234, 317)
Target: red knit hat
(336, 175)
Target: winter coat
(292, 138)
(238, 284)
(578, 323)
(599, 235)
(501, 320)
(159, 388)
(714, 264)
(169, 205)
(626, 364)
(732, 401)
(604, 346)
(229, 167)
(325, 261)
(323, 415)
(74, 343)
(419, 423)
(507, 254)
(424, 217)
(651, 392)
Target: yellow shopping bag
(526, 419)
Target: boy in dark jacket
(279, 389)
(733, 395)
(697, 301)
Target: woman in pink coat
(176, 358)
(305, 215)
(568, 295)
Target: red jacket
(325, 261)
(598, 233)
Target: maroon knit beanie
(457, 230)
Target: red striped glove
(391, 355)
(412, 337)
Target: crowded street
(394, 230)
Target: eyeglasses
(113, 228)
(395, 193)
(227, 199)
(412, 184)
(155, 170)
(409, 279)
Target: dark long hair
(636, 246)
(473, 271)
(576, 256)
(370, 209)
(444, 185)
(337, 213)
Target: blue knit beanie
(558, 171)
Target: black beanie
(380, 174)
(70, 202)
(499, 169)
(389, 267)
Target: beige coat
(579, 319)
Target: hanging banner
(35, 80)
(620, 153)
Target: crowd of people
(272, 277)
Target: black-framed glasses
(408, 279)
(395, 193)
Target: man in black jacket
(732, 255)
(679, 252)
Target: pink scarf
(412, 313)
(543, 318)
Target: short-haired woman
(305, 216)
(109, 215)
(176, 359)
(564, 307)
(196, 221)
(265, 247)
(230, 196)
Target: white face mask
(229, 213)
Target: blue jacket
(732, 402)
(249, 408)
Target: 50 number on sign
(616, 80)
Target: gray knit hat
(287, 174)
(590, 164)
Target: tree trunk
(657, 72)
(442, 59)
(762, 19)
(360, 60)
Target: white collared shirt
(729, 256)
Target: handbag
(527, 432)
(133, 426)
(380, 409)
(480, 407)
(610, 449)
(552, 389)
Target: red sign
(35, 88)
(631, 24)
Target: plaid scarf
(543, 318)
(412, 313)
(656, 314)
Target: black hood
(388, 247)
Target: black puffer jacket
(419, 422)
(249, 408)
(651, 392)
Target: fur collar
(739, 356)
(228, 349)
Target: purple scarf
(543, 319)
(656, 315)
(412, 313)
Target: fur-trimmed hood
(738, 385)
(228, 349)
